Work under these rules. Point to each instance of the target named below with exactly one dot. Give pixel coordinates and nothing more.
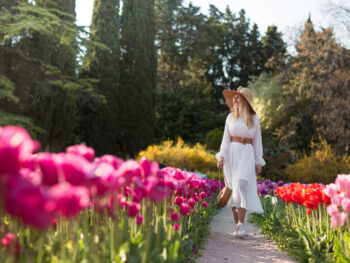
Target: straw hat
(244, 92)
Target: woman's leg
(235, 214)
(241, 214)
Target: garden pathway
(222, 246)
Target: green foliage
(213, 139)
(216, 52)
(307, 238)
(181, 155)
(315, 82)
(322, 165)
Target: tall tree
(7, 87)
(138, 79)
(317, 81)
(99, 122)
(44, 85)
(274, 49)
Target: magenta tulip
(82, 150)
(133, 208)
(185, 209)
(16, 147)
(174, 216)
(139, 219)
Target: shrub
(213, 139)
(181, 155)
(322, 165)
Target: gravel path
(222, 246)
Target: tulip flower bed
(310, 221)
(267, 187)
(75, 207)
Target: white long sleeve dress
(240, 161)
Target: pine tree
(274, 49)
(99, 123)
(138, 77)
(45, 88)
(256, 51)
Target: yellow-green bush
(181, 156)
(322, 165)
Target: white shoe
(240, 230)
(235, 230)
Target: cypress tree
(100, 125)
(138, 78)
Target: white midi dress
(240, 161)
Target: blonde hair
(245, 111)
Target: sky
(287, 15)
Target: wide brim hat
(244, 92)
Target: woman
(241, 156)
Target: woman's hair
(244, 111)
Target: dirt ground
(222, 246)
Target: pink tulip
(179, 200)
(204, 204)
(343, 182)
(191, 202)
(202, 195)
(133, 208)
(11, 243)
(146, 167)
(174, 216)
(50, 166)
(70, 199)
(102, 179)
(114, 161)
(158, 192)
(75, 169)
(82, 150)
(185, 209)
(139, 219)
(338, 220)
(346, 204)
(332, 210)
(331, 190)
(16, 147)
(32, 203)
(127, 172)
(176, 226)
(337, 199)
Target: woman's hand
(257, 169)
(221, 162)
